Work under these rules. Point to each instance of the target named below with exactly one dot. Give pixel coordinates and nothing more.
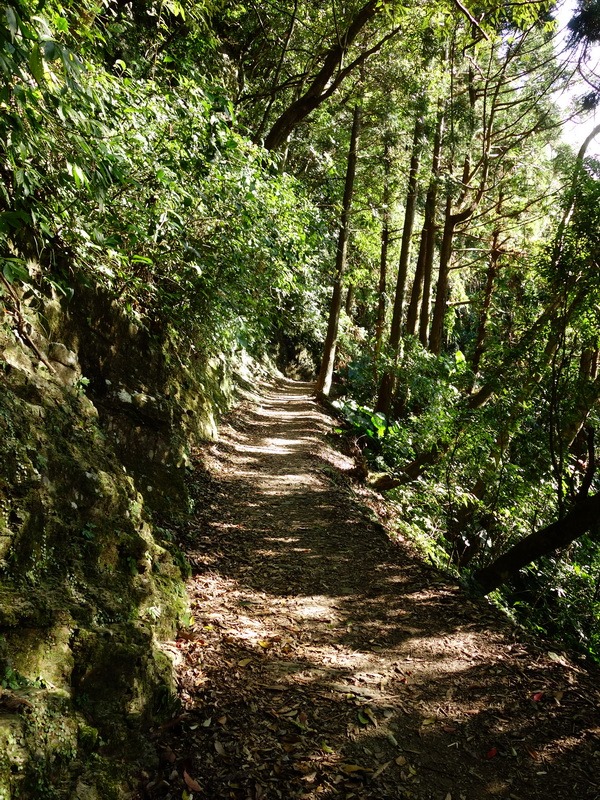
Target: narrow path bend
(326, 661)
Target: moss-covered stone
(94, 443)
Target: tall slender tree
(324, 380)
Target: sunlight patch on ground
(269, 448)
(318, 607)
(282, 539)
(279, 553)
(304, 480)
(226, 526)
(284, 414)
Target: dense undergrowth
(141, 184)
(475, 500)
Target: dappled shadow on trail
(325, 661)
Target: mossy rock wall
(96, 418)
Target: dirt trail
(326, 661)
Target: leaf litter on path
(324, 660)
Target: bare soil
(326, 660)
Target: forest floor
(327, 660)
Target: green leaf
(51, 50)
(15, 270)
(36, 65)
(77, 174)
(12, 21)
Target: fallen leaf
(448, 796)
(429, 721)
(352, 768)
(378, 772)
(449, 728)
(191, 783)
(169, 755)
(401, 761)
(554, 657)
(537, 696)
(222, 720)
(219, 748)
(244, 662)
(492, 753)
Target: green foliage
(381, 440)
(148, 191)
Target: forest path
(326, 661)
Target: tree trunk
(409, 221)
(430, 231)
(383, 256)
(583, 518)
(326, 79)
(441, 294)
(422, 283)
(490, 280)
(349, 304)
(416, 292)
(326, 373)
(259, 132)
(386, 389)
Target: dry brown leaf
(378, 772)
(369, 713)
(169, 755)
(191, 783)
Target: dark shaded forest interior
(299, 400)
